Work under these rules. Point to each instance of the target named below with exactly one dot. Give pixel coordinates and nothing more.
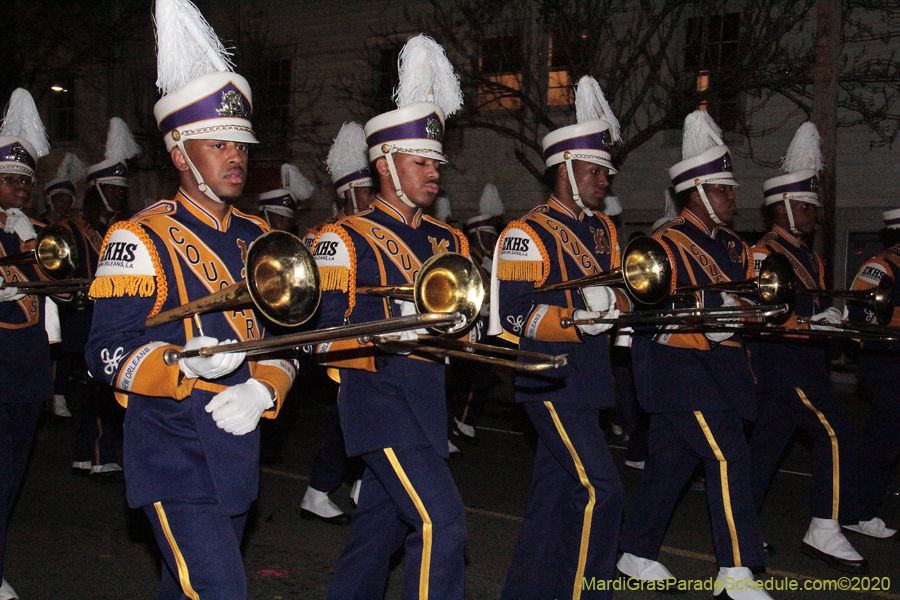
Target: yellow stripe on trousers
(588, 510)
(835, 456)
(726, 495)
(425, 567)
(183, 575)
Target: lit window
(712, 44)
(500, 65)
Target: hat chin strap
(353, 199)
(200, 183)
(103, 197)
(790, 215)
(575, 195)
(709, 208)
(396, 180)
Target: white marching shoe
(824, 541)
(7, 592)
(466, 430)
(642, 568)
(317, 505)
(737, 583)
(354, 491)
(60, 409)
(874, 527)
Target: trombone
(879, 298)
(451, 283)
(646, 272)
(282, 283)
(775, 284)
(55, 254)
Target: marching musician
(392, 406)
(879, 367)
(191, 437)
(26, 379)
(98, 438)
(793, 384)
(697, 386)
(572, 520)
(348, 165)
(59, 196)
(279, 207)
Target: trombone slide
(443, 348)
(686, 316)
(331, 334)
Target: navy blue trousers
(329, 466)
(408, 498)
(17, 425)
(835, 460)
(879, 445)
(201, 549)
(574, 511)
(678, 441)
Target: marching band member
(60, 193)
(59, 196)
(793, 384)
(191, 436)
(26, 379)
(572, 520)
(393, 408)
(697, 386)
(279, 207)
(474, 381)
(879, 366)
(97, 440)
(348, 165)
(108, 178)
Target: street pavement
(73, 538)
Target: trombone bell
(447, 283)
(647, 270)
(282, 278)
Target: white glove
(209, 367)
(408, 309)
(17, 222)
(10, 294)
(830, 315)
(237, 409)
(599, 298)
(721, 336)
(623, 338)
(599, 327)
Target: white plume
(23, 121)
(671, 210)
(612, 206)
(293, 181)
(591, 104)
(442, 210)
(804, 151)
(426, 75)
(349, 153)
(70, 168)
(120, 144)
(700, 134)
(186, 45)
(490, 203)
